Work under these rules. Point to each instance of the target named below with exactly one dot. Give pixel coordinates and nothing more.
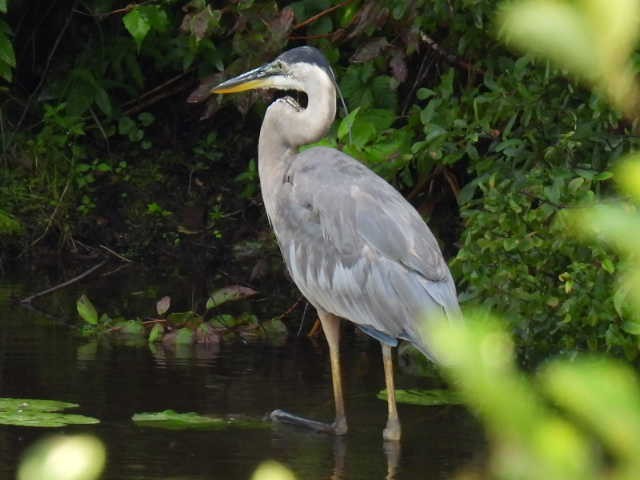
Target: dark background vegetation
(100, 148)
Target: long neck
(286, 128)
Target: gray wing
(356, 248)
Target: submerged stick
(62, 285)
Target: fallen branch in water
(62, 285)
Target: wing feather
(356, 248)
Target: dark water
(41, 358)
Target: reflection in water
(112, 381)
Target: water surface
(40, 357)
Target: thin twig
(51, 217)
(289, 310)
(115, 254)
(158, 88)
(321, 14)
(64, 284)
(154, 321)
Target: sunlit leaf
(137, 25)
(229, 294)
(347, 123)
(628, 176)
(184, 336)
(86, 310)
(129, 327)
(39, 413)
(173, 420)
(603, 393)
(34, 404)
(69, 457)
(427, 398)
(272, 471)
(142, 19)
(554, 30)
(156, 333)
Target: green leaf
(425, 93)
(63, 457)
(6, 71)
(146, 119)
(34, 404)
(173, 420)
(28, 412)
(184, 336)
(137, 24)
(3, 6)
(7, 54)
(156, 334)
(229, 294)
(129, 327)
(103, 101)
(427, 398)
(631, 327)
(142, 19)
(602, 393)
(86, 310)
(347, 123)
(45, 419)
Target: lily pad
(426, 398)
(173, 420)
(27, 412)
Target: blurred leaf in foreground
(593, 39)
(73, 457)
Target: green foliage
(590, 431)
(142, 19)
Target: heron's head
(298, 69)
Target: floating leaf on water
(86, 310)
(27, 412)
(427, 398)
(275, 328)
(34, 404)
(162, 306)
(206, 334)
(173, 420)
(184, 336)
(184, 317)
(229, 294)
(130, 327)
(44, 419)
(224, 321)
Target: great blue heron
(353, 245)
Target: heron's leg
(393, 430)
(331, 328)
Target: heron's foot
(339, 427)
(392, 431)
